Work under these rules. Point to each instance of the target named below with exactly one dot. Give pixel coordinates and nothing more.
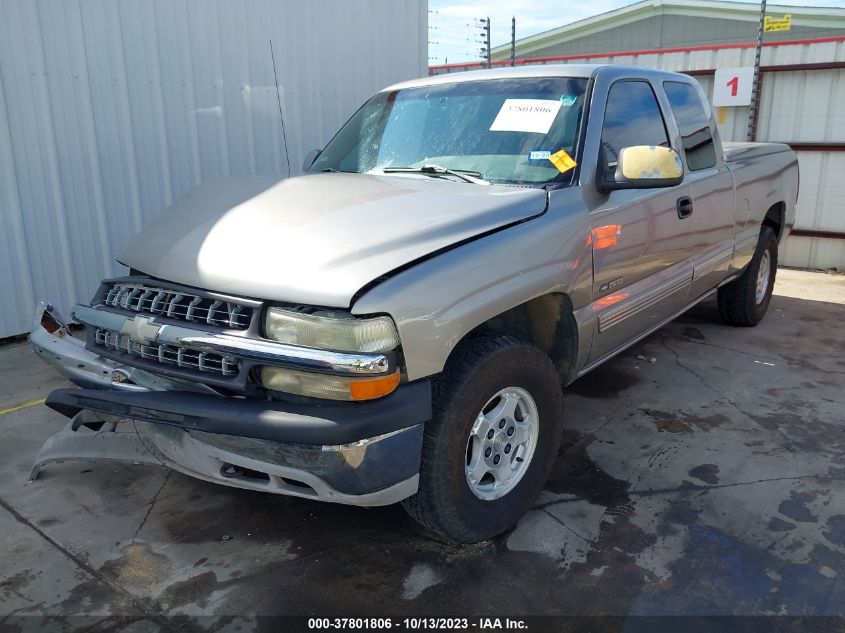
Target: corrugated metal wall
(110, 110)
(804, 106)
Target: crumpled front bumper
(355, 453)
(67, 355)
(372, 472)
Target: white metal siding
(109, 111)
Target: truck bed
(746, 151)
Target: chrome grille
(206, 362)
(178, 305)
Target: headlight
(346, 334)
(337, 331)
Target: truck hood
(317, 239)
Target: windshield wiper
(467, 176)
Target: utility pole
(485, 51)
(513, 40)
(489, 59)
(751, 131)
(431, 28)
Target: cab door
(642, 265)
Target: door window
(632, 117)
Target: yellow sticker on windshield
(562, 161)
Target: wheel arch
(547, 322)
(775, 218)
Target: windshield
(503, 129)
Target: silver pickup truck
(398, 323)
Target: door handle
(684, 206)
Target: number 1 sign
(732, 87)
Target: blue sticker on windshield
(568, 100)
(539, 154)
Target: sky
(453, 31)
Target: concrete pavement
(709, 481)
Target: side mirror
(645, 167)
(310, 157)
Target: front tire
(487, 453)
(745, 300)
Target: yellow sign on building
(777, 24)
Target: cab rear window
(694, 124)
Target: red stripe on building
(655, 51)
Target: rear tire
(498, 407)
(744, 301)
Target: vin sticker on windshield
(539, 154)
(526, 115)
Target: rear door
(710, 226)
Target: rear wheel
(745, 300)
(488, 451)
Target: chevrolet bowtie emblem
(141, 330)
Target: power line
(451, 36)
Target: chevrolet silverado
(398, 324)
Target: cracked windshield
(502, 130)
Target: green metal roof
(821, 17)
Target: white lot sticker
(526, 115)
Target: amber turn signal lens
(606, 236)
(326, 386)
(373, 388)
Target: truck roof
(537, 70)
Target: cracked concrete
(151, 506)
(711, 481)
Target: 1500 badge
(611, 284)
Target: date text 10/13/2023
(418, 623)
